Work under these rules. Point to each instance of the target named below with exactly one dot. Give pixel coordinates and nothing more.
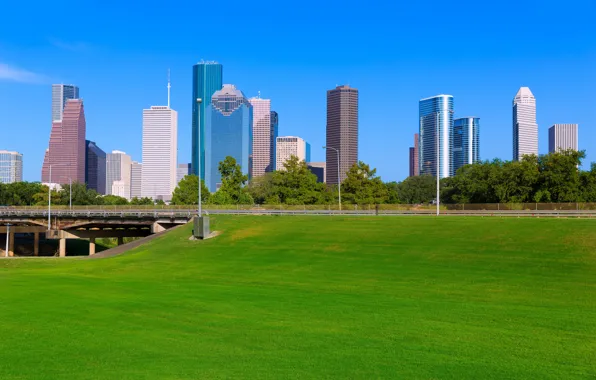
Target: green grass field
(314, 297)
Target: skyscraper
(436, 127)
(342, 132)
(95, 167)
(288, 146)
(525, 129)
(66, 154)
(562, 137)
(228, 132)
(466, 142)
(416, 154)
(11, 166)
(206, 79)
(160, 149)
(118, 172)
(411, 160)
(182, 171)
(318, 169)
(136, 176)
(261, 136)
(60, 94)
(274, 132)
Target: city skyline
(481, 69)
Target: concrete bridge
(86, 224)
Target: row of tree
(554, 177)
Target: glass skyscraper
(60, 94)
(274, 132)
(436, 133)
(466, 142)
(228, 132)
(206, 79)
(11, 167)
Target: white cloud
(17, 74)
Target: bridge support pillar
(120, 240)
(11, 244)
(62, 246)
(36, 243)
(91, 246)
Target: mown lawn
(314, 297)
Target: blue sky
(394, 52)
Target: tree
(296, 184)
(81, 195)
(114, 200)
(187, 192)
(362, 186)
(262, 189)
(417, 189)
(560, 175)
(232, 182)
(146, 201)
(21, 193)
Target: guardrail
(6, 213)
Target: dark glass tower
(436, 133)
(466, 142)
(228, 132)
(206, 79)
(274, 134)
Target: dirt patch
(246, 233)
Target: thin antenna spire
(169, 87)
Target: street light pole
(438, 166)
(199, 100)
(50, 198)
(70, 196)
(338, 174)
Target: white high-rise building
(118, 170)
(136, 175)
(562, 137)
(261, 136)
(160, 149)
(60, 94)
(288, 146)
(182, 171)
(525, 128)
(11, 166)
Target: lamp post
(338, 174)
(199, 101)
(438, 160)
(201, 223)
(50, 194)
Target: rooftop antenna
(169, 87)
(259, 96)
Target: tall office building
(136, 175)
(562, 137)
(414, 152)
(66, 154)
(525, 129)
(160, 149)
(228, 132)
(318, 169)
(95, 167)
(261, 136)
(60, 94)
(11, 167)
(118, 171)
(342, 132)
(411, 160)
(182, 171)
(206, 79)
(288, 146)
(436, 127)
(273, 133)
(466, 142)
